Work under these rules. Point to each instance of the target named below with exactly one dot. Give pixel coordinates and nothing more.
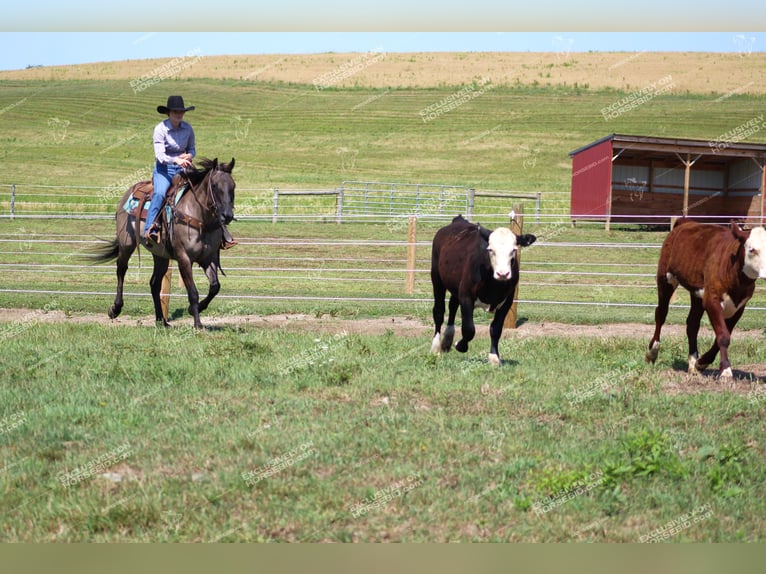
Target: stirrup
(229, 244)
(152, 234)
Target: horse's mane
(197, 174)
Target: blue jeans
(161, 179)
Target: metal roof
(648, 147)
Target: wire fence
(391, 267)
(611, 276)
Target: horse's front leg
(185, 268)
(155, 283)
(211, 272)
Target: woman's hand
(184, 160)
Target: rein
(213, 208)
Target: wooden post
(517, 223)
(165, 293)
(687, 173)
(411, 238)
(763, 189)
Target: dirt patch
(397, 325)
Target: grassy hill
(301, 121)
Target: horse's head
(222, 191)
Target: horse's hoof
(449, 336)
(494, 359)
(113, 313)
(436, 345)
(461, 347)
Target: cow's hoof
(436, 345)
(726, 376)
(693, 368)
(651, 354)
(494, 359)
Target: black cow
(475, 265)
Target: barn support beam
(688, 163)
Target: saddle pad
(132, 203)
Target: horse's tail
(104, 253)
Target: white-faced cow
(477, 267)
(718, 266)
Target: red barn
(624, 178)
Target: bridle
(211, 207)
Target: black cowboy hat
(174, 103)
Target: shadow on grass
(712, 372)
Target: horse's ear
(227, 167)
(214, 164)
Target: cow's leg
(693, 320)
(185, 268)
(155, 284)
(496, 330)
(438, 311)
(709, 356)
(665, 290)
(449, 332)
(211, 272)
(467, 328)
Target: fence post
(517, 224)
(537, 208)
(165, 293)
(471, 199)
(339, 206)
(276, 206)
(13, 199)
(411, 240)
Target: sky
(19, 50)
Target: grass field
(255, 434)
(309, 409)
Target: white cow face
(502, 250)
(755, 254)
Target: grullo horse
(192, 235)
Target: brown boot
(227, 241)
(152, 234)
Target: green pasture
(241, 434)
(118, 431)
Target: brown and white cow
(477, 267)
(719, 267)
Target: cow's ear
(737, 231)
(525, 240)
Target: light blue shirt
(169, 143)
